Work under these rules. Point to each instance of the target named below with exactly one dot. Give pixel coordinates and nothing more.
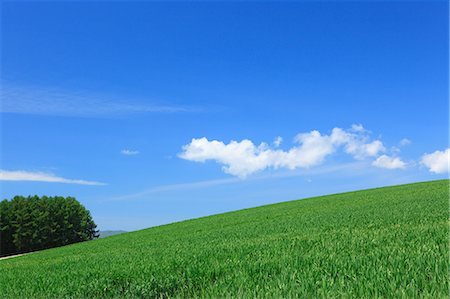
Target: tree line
(34, 223)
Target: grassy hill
(385, 242)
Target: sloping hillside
(382, 242)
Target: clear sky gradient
(110, 101)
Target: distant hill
(108, 233)
(387, 242)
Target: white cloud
(437, 162)
(360, 150)
(19, 175)
(277, 142)
(128, 152)
(384, 161)
(244, 157)
(405, 141)
(358, 128)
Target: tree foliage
(34, 223)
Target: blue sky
(150, 113)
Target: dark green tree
(6, 241)
(34, 223)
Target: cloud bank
(19, 175)
(244, 157)
(437, 162)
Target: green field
(385, 242)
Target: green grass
(385, 242)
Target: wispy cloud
(404, 142)
(50, 101)
(128, 152)
(342, 168)
(174, 187)
(21, 175)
